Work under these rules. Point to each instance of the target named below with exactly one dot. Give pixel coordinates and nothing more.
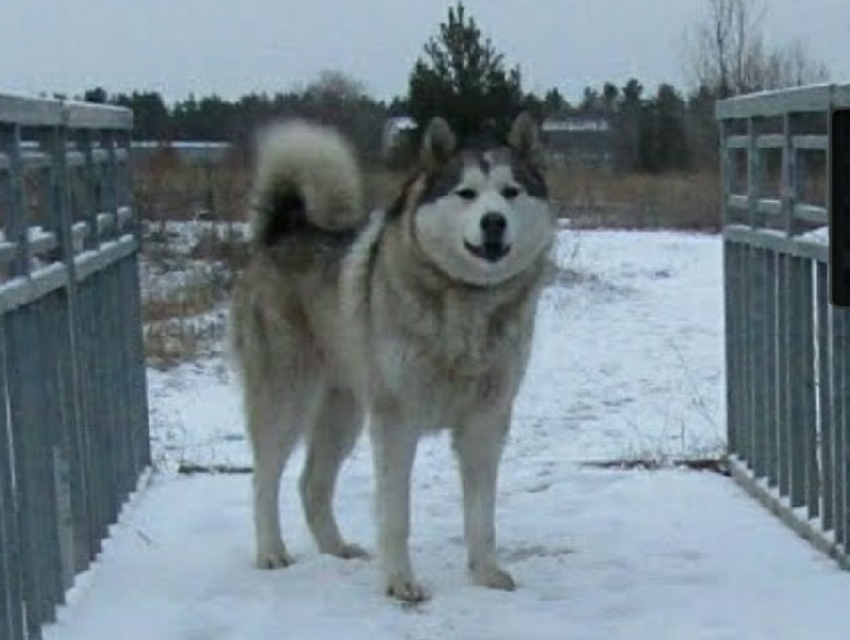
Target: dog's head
(480, 211)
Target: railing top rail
(806, 99)
(44, 112)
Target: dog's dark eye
(509, 193)
(467, 194)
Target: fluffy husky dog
(419, 316)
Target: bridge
(74, 437)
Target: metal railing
(74, 432)
(787, 348)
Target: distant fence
(787, 348)
(74, 432)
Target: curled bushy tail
(307, 175)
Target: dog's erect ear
(525, 137)
(438, 143)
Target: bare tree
(335, 86)
(728, 52)
(792, 66)
(343, 101)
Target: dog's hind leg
(478, 444)
(276, 418)
(338, 424)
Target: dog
(419, 316)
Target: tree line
(462, 76)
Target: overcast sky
(231, 47)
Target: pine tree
(464, 79)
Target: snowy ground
(627, 365)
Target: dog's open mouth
(489, 251)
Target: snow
(627, 365)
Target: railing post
(736, 429)
(110, 187)
(825, 393)
(16, 227)
(90, 196)
(757, 274)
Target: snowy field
(627, 366)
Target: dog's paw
(493, 577)
(406, 589)
(274, 559)
(349, 551)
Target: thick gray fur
(397, 317)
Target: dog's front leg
(478, 444)
(394, 449)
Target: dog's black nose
(493, 227)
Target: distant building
(190, 152)
(586, 141)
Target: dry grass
(632, 200)
(228, 248)
(168, 346)
(593, 198)
(179, 330)
(195, 298)
(167, 189)
(596, 198)
(186, 288)
(181, 324)
(181, 321)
